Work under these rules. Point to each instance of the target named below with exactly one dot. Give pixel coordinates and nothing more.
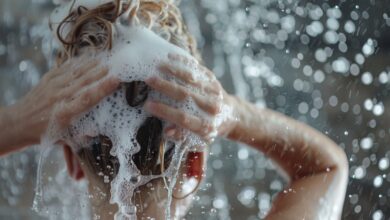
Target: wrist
(237, 118)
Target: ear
(73, 164)
(195, 165)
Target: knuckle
(105, 86)
(109, 86)
(190, 77)
(157, 82)
(215, 108)
(184, 119)
(207, 127)
(63, 94)
(220, 95)
(183, 93)
(62, 118)
(86, 99)
(198, 84)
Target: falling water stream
(326, 63)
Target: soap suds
(136, 55)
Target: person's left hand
(63, 93)
(209, 97)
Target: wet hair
(93, 29)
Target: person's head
(91, 28)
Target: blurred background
(326, 63)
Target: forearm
(317, 167)
(297, 148)
(320, 196)
(13, 135)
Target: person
(317, 168)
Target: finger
(93, 95)
(208, 72)
(184, 59)
(89, 77)
(180, 93)
(73, 64)
(207, 104)
(194, 63)
(54, 72)
(181, 74)
(187, 78)
(172, 90)
(75, 72)
(172, 131)
(82, 69)
(175, 133)
(86, 100)
(178, 117)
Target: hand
(62, 94)
(209, 97)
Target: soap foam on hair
(136, 55)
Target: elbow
(343, 168)
(341, 163)
(340, 183)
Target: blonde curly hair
(94, 28)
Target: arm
(316, 166)
(8, 138)
(59, 96)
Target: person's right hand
(62, 94)
(208, 94)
